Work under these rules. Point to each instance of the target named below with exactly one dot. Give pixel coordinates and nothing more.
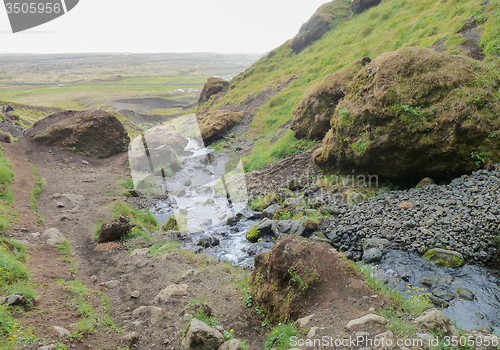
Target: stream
(199, 192)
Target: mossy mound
(283, 278)
(445, 258)
(416, 113)
(176, 222)
(254, 234)
(314, 28)
(215, 125)
(311, 117)
(95, 133)
(212, 87)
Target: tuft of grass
(279, 337)
(65, 250)
(162, 248)
(35, 193)
(413, 305)
(6, 196)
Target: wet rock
(180, 192)
(270, 211)
(372, 255)
(249, 214)
(435, 320)
(443, 294)
(187, 183)
(263, 228)
(207, 241)
(200, 336)
(232, 221)
(370, 318)
(206, 222)
(172, 290)
(445, 258)
(114, 231)
(465, 293)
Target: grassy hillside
(387, 27)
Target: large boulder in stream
(95, 133)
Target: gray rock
(52, 236)
(135, 294)
(372, 255)
(112, 284)
(370, 318)
(465, 293)
(208, 241)
(60, 204)
(180, 192)
(172, 290)
(303, 322)
(13, 299)
(270, 211)
(233, 344)
(375, 243)
(200, 336)
(61, 332)
(131, 338)
(435, 320)
(292, 202)
(443, 294)
(47, 347)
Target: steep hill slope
(269, 91)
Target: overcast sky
(225, 26)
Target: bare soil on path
(88, 192)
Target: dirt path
(88, 188)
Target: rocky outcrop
(215, 125)
(314, 28)
(311, 117)
(212, 87)
(359, 6)
(96, 133)
(415, 113)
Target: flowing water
(207, 207)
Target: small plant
(280, 335)
(479, 158)
(248, 300)
(259, 311)
(344, 118)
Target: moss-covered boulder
(445, 258)
(311, 117)
(359, 6)
(96, 133)
(212, 87)
(215, 125)
(314, 28)
(176, 222)
(415, 113)
(263, 228)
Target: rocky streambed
(391, 230)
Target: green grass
(279, 337)
(413, 303)
(35, 192)
(387, 27)
(163, 248)
(65, 250)
(6, 196)
(146, 220)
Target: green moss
(444, 259)
(253, 234)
